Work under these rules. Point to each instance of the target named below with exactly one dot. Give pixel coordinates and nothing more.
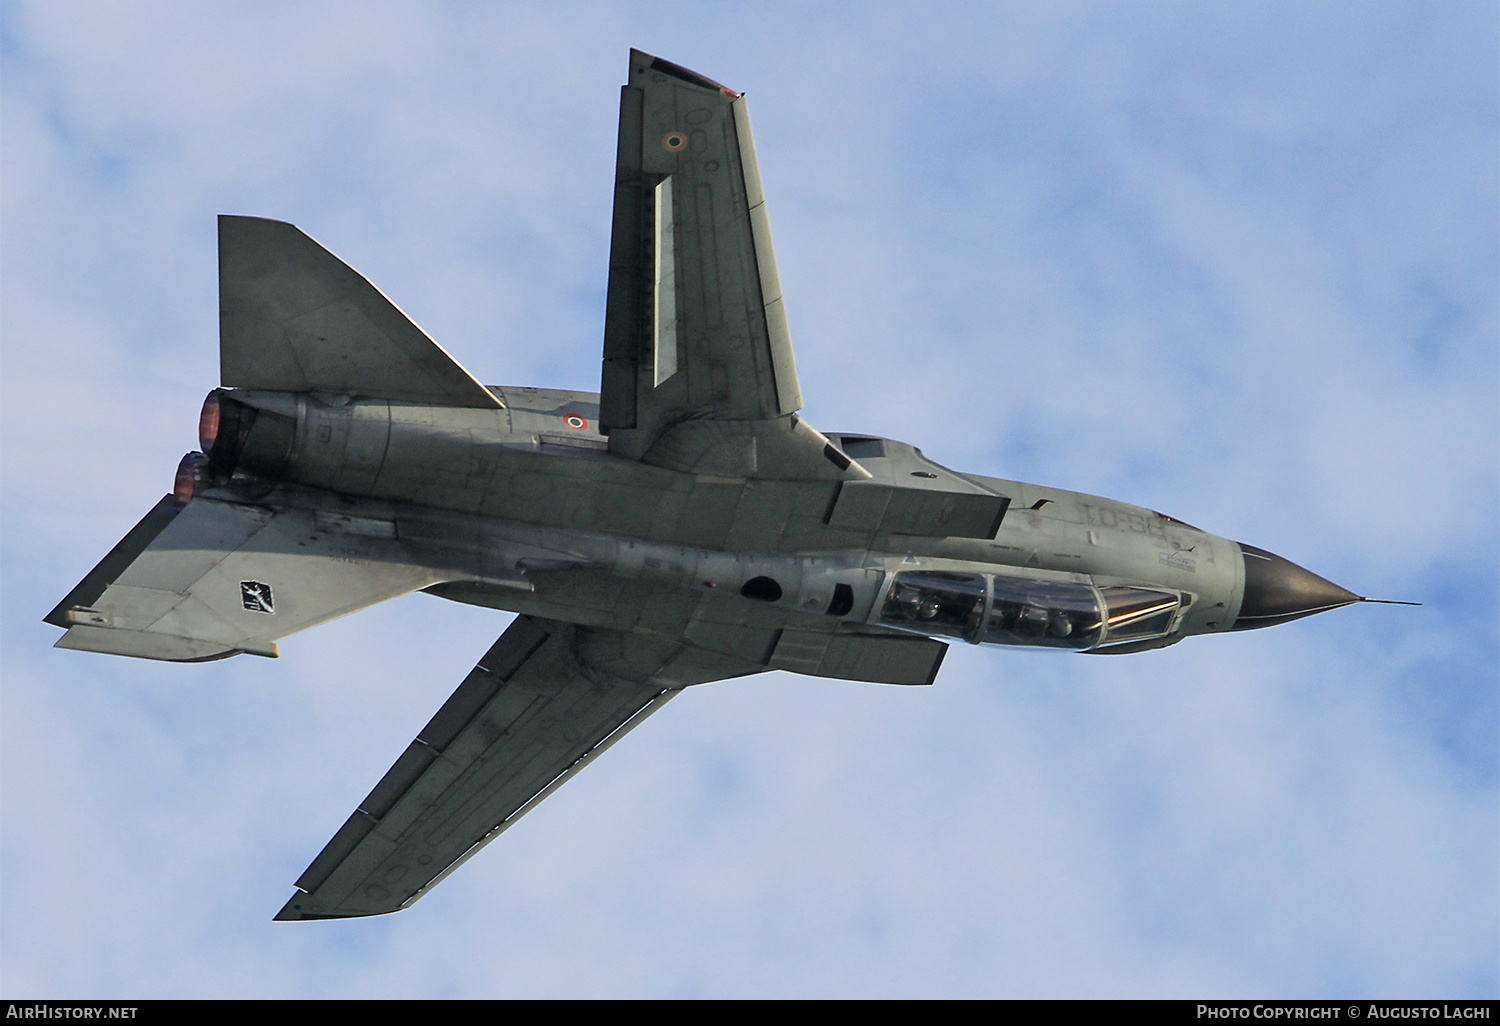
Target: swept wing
(695, 329)
(545, 700)
(698, 376)
(214, 579)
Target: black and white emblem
(256, 596)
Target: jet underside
(683, 525)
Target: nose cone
(1278, 590)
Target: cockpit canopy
(1000, 609)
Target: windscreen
(1138, 613)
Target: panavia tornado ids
(683, 525)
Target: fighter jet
(683, 525)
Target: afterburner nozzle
(190, 473)
(208, 422)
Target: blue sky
(1236, 262)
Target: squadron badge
(256, 597)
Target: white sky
(1236, 262)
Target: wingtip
(641, 62)
(292, 910)
(251, 220)
(300, 905)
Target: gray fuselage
(526, 510)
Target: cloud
(1236, 264)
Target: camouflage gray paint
(539, 467)
(685, 525)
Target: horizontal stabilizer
(295, 318)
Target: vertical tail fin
(295, 318)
